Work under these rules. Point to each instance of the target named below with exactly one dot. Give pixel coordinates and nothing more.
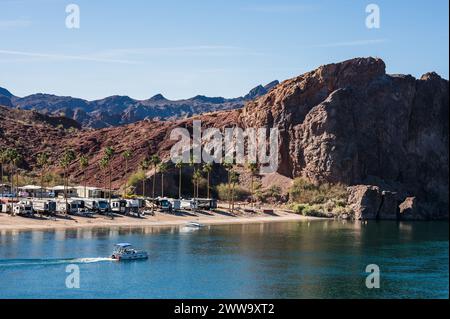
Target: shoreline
(18, 223)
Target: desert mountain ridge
(119, 110)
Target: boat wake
(56, 261)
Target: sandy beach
(8, 222)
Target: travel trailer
(97, 205)
(176, 203)
(163, 204)
(132, 207)
(119, 206)
(74, 207)
(188, 204)
(44, 206)
(206, 203)
(24, 208)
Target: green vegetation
(324, 200)
(136, 178)
(240, 193)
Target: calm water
(318, 259)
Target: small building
(58, 191)
(31, 191)
(89, 192)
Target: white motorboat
(124, 251)
(194, 225)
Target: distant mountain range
(118, 110)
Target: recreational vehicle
(188, 204)
(97, 205)
(119, 206)
(24, 208)
(206, 203)
(44, 206)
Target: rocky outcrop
(411, 209)
(370, 202)
(365, 201)
(352, 123)
(389, 208)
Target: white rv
(119, 206)
(188, 204)
(24, 208)
(44, 206)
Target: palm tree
(196, 177)
(228, 165)
(126, 156)
(67, 158)
(14, 158)
(109, 154)
(192, 164)
(154, 160)
(42, 161)
(234, 178)
(207, 168)
(84, 163)
(179, 165)
(253, 169)
(3, 161)
(163, 167)
(145, 164)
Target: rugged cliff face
(352, 123)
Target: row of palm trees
(12, 157)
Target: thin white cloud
(138, 55)
(65, 57)
(12, 24)
(348, 43)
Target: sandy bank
(160, 219)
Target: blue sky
(216, 48)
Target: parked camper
(206, 203)
(44, 206)
(176, 203)
(97, 205)
(24, 208)
(188, 204)
(74, 207)
(119, 206)
(134, 207)
(5, 206)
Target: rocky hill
(120, 110)
(352, 123)
(348, 123)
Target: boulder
(389, 207)
(410, 209)
(365, 201)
